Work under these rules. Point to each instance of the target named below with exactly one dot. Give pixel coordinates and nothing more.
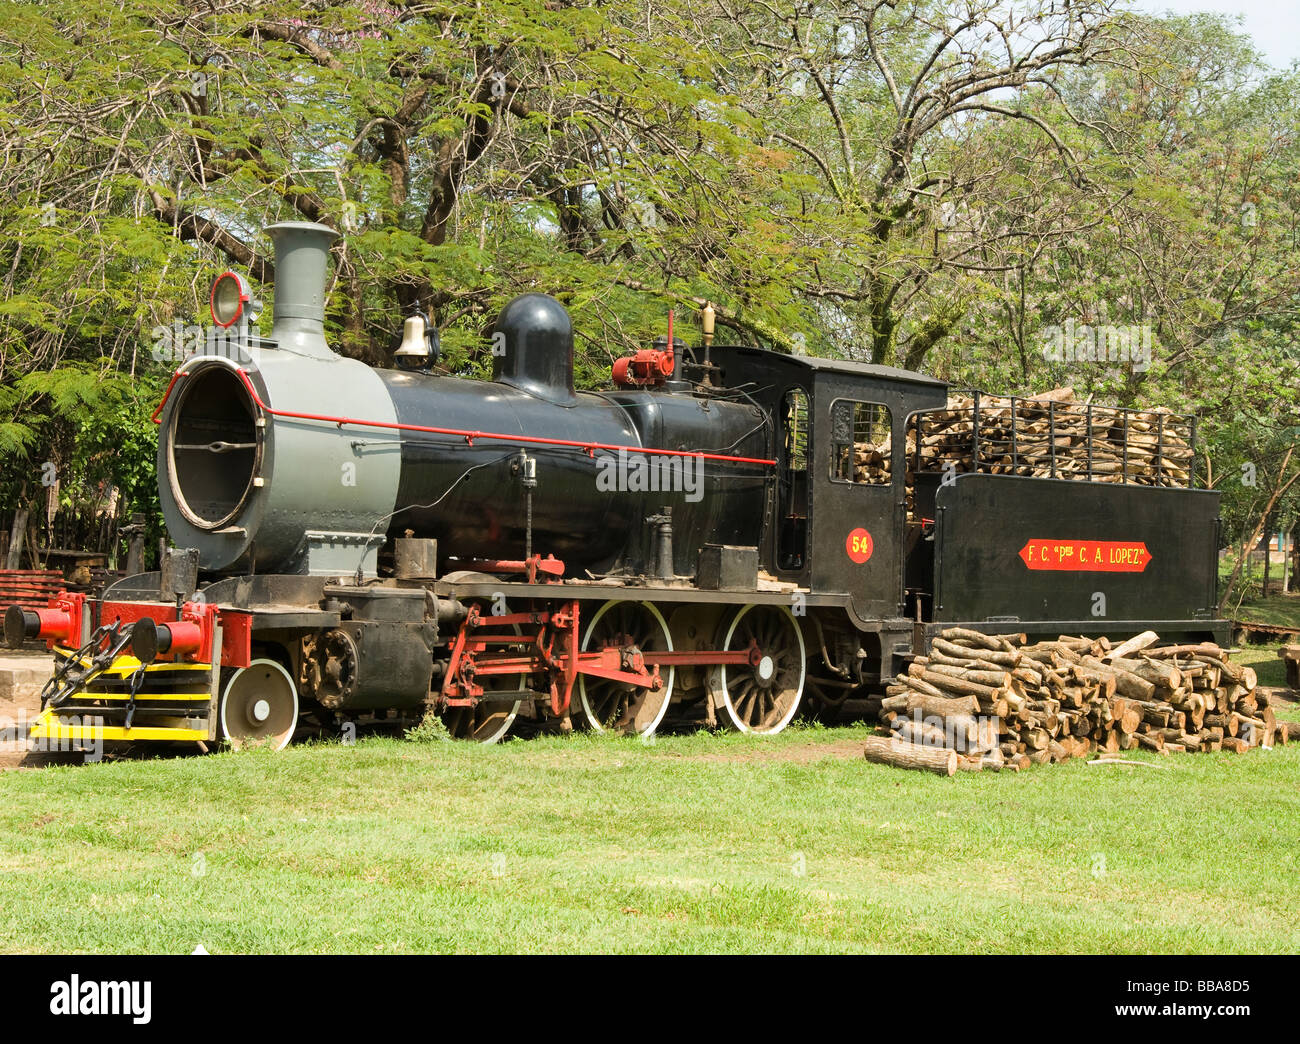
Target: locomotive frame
(789, 575)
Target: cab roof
(819, 364)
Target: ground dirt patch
(801, 754)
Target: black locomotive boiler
(727, 533)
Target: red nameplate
(1090, 556)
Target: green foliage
(809, 170)
(429, 730)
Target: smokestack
(302, 250)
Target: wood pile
(1051, 435)
(872, 461)
(998, 701)
(30, 588)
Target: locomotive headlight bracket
(232, 299)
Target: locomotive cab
(835, 517)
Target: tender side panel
(1038, 549)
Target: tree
(901, 201)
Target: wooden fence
(76, 549)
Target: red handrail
(167, 394)
(468, 436)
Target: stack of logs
(1050, 435)
(872, 461)
(995, 701)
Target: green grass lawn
(1279, 611)
(694, 843)
(1268, 666)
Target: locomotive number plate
(859, 545)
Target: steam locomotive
(725, 536)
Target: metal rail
(1086, 441)
(589, 448)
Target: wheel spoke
(754, 704)
(605, 704)
(746, 699)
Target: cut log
(1249, 730)
(1193, 709)
(884, 750)
(1154, 714)
(922, 733)
(1234, 672)
(995, 679)
(998, 656)
(1207, 648)
(999, 708)
(972, 660)
(1158, 672)
(1126, 682)
(1134, 644)
(1082, 645)
(959, 685)
(942, 706)
(1127, 715)
(917, 685)
(1103, 681)
(1270, 725)
(975, 638)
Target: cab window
(861, 443)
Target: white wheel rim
(231, 688)
(588, 714)
(732, 713)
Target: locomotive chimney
(302, 250)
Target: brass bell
(417, 350)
